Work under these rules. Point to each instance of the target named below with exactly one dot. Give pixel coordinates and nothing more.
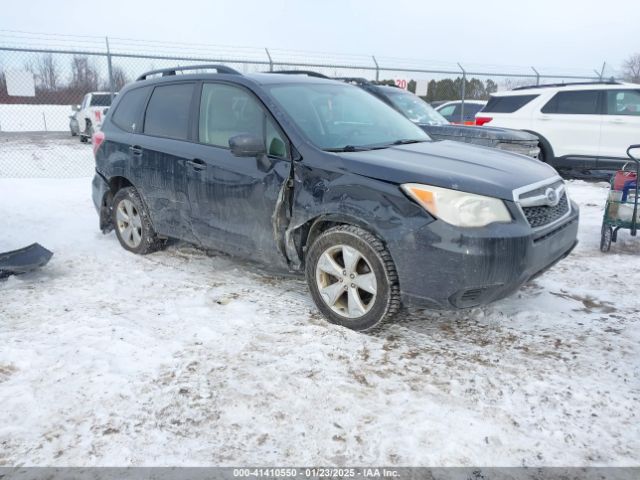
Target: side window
(168, 111)
(579, 102)
(472, 109)
(129, 111)
(447, 111)
(227, 111)
(507, 103)
(623, 102)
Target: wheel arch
(306, 233)
(115, 183)
(544, 145)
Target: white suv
(91, 112)
(580, 125)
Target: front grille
(542, 215)
(540, 190)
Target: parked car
(90, 114)
(312, 175)
(456, 112)
(580, 125)
(439, 128)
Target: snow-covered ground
(45, 155)
(38, 118)
(184, 358)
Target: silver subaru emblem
(552, 197)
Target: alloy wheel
(346, 281)
(129, 223)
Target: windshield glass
(416, 109)
(338, 116)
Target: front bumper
(445, 267)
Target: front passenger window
(623, 102)
(227, 111)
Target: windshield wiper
(347, 148)
(407, 141)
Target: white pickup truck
(89, 114)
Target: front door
(571, 122)
(234, 199)
(620, 127)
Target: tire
(132, 223)
(89, 131)
(360, 293)
(605, 238)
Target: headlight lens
(461, 209)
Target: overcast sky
(544, 33)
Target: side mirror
(247, 145)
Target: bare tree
(631, 68)
(120, 77)
(47, 70)
(84, 75)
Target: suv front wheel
(352, 278)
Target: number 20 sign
(401, 83)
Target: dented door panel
(233, 202)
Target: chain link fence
(44, 79)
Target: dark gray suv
(317, 176)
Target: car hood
(449, 164)
(490, 133)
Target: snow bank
(183, 358)
(34, 118)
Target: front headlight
(461, 209)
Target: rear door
(233, 199)
(571, 122)
(159, 155)
(620, 126)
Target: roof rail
(308, 73)
(544, 85)
(166, 72)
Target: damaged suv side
(319, 177)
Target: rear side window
(507, 104)
(470, 110)
(447, 111)
(168, 111)
(129, 111)
(581, 102)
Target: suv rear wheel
(132, 223)
(352, 278)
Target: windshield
(344, 117)
(416, 109)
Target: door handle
(617, 120)
(197, 164)
(135, 149)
